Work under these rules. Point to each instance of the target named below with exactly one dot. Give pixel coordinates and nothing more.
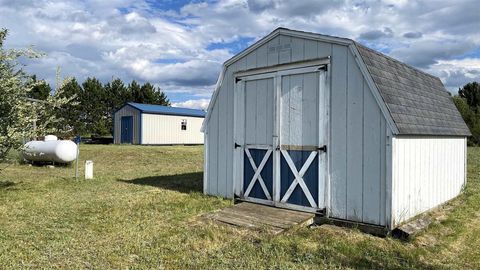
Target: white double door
(280, 138)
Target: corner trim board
(140, 139)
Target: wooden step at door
(262, 217)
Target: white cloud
(456, 73)
(427, 52)
(133, 39)
(201, 104)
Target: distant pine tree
(135, 91)
(468, 103)
(94, 104)
(118, 95)
(40, 89)
(72, 112)
(471, 92)
(154, 95)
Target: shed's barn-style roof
(418, 102)
(159, 109)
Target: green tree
(40, 89)
(93, 106)
(471, 93)
(162, 99)
(72, 112)
(118, 94)
(135, 91)
(467, 114)
(20, 118)
(148, 93)
(153, 95)
(468, 104)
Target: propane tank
(50, 150)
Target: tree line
(468, 103)
(91, 109)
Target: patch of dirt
(427, 241)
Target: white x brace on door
(280, 133)
(257, 174)
(298, 175)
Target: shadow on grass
(185, 183)
(6, 184)
(45, 164)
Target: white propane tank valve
(50, 138)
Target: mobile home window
(184, 124)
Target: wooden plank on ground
(266, 221)
(257, 216)
(412, 227)
(285, 214)
(261, 215)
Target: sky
(180, 46)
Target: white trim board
(213, 99)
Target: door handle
(323, 148)
(237, 145)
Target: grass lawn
(141, 212)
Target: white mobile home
(323, 124)
(137, 123)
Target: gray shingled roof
(418, 102)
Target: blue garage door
(127, 129)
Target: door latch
(322, 148)
(237, 145)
